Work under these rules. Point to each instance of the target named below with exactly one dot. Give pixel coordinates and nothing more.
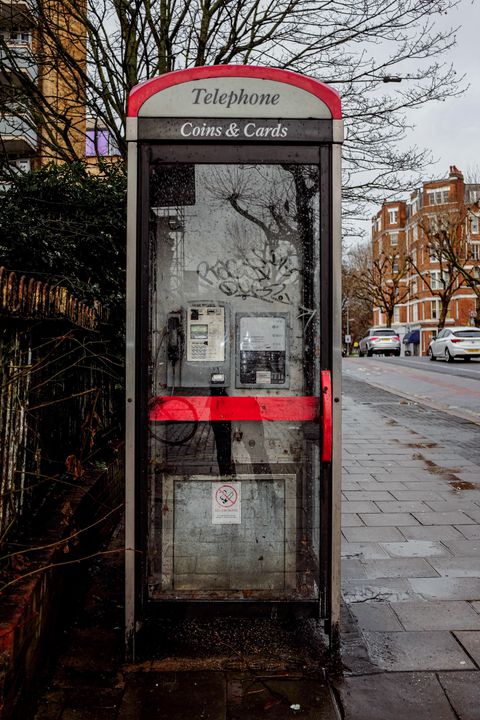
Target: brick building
(413, 232)
(29, 59)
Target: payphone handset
(198, 342)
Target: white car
(378, 341)
(455, 342)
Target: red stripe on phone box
(205, 408)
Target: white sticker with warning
(226, 503)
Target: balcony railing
(17, 58)
(16, 135)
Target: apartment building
(414, 232)
(30, 57)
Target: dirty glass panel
(233, 334)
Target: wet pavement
(411, 559)
(411, 580)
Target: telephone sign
(233, 435)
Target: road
(451, 387)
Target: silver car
(455, 342)
(378, 341)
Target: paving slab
(174, 696)
(278, 699)
(367, 550)
(437, 615)
(416, 548)
(352, 568)
(471, 532)
(408, 495)
(442, 588)
(393, 697)
(457, 566)
(382, 519)
(402, 507)
(423, 650)
(376, 486)
(432, 532)
(454, 503)
(463, 692)
(399, 568)
(474, 514)
(359, 506)
(373, 496)
(348, 484)
(464, 548)
(352, 520)
(471, 643)
(372, 534)
(377, 616)
(383, 589)
(449, 517)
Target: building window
(473, 195)
(395, 266)
(99, 143)
(415, 313)
(439, 196)
(394, 239)
(379, 223)
(438, 279)
(474, 251)
(475, 225)
(434, 310)
(396, 314)
(393, 216)
(16, 36)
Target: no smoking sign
(226, 503)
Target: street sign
(348, 339)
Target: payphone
(198, 346)
(233, 345)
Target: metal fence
(57, 388)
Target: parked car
(455, 342)
(379, 340)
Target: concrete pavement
(411, 565)
(411, 629)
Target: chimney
(455, 172)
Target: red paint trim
(205, 408)
(327, 415)
(140, 93)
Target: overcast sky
(452, 129)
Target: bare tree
(356, 47)
(356, 311)
(448, 236)
(380, 281)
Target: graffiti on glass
(252, 276)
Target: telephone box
(233, 361)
